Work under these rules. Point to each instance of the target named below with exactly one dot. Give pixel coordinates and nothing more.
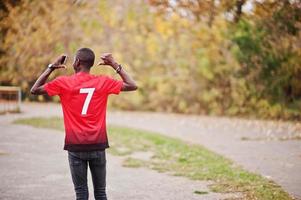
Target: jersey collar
(82, 73)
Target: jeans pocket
(73, 160)
(100, 159)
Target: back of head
(86, 57)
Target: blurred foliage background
(217, 57)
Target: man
(84, 98)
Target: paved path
(34, 166)
(279, 160)
(249, 143)
(275, 159)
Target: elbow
(129, 87)
(135, 87)
(33, 91)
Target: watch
(50, 66)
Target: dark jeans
(78, 162)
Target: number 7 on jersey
(90, 92)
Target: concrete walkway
(251, 144)
(34, 166)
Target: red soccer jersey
(84, 100)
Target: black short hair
(86, 57)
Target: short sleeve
(54, 87)
(112, 86)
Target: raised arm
(38, 86)
(128, 83)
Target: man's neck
(83, 70)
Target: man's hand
(57, 64)
(128, 83)
(38, 87)
(107, 59)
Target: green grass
(181, 159)
(200, 192)
(132, 162)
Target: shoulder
(62, 77)
(65, 77)
(107, 78)
(102, 77)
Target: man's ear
(77, 62)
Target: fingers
(101, 63)
(62, 66)
(104, 57)
(107, 58)
(106, 54)
(60, 58)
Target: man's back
(84, 100)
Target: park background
(234, 57)
(216, 115)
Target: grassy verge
(16, 110)
(181, 159)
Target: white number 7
(90, 92)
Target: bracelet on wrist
(118, 69)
